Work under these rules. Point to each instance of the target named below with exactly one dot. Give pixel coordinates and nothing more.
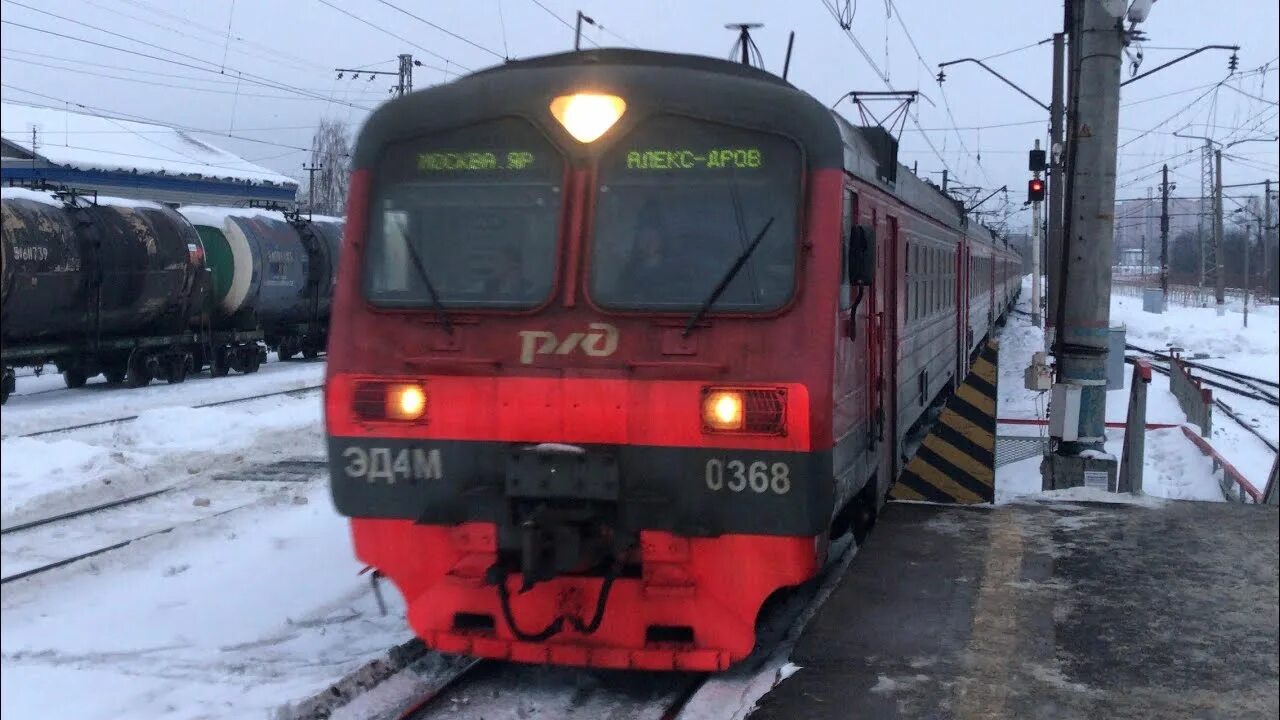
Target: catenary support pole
(1164, 238)
(1084, 332)
(1219, 290)
(1057, 191)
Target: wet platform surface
(1048, 611)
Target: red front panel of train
(537, 440)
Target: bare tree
(331, 153)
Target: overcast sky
(983, 139)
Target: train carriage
(620, 340)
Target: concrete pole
(1164, 238)
(1266, 240)
(1146, 227)
(1219, 293)
(1247, 253)
(1057, 190)
(1084, 335)
(1035, 255)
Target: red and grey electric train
(621, 338)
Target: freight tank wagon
(271, 272)
(112, 287)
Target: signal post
(1035, 196)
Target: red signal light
(1035, 190)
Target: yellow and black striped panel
(956, 461)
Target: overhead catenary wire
(248, 77)
(107, 114)
(186, 21)
(154, 83)
(446, 31)
(835, 13)
(562, 21)
(381, 29)
(218, 82)
(946, 102)
(267, 54)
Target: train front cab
(538, 435)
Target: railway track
(460, 688)
(62, 562)
(1257, 384)
(29, 570)
(86, 511)
(1241, 389)
(128, 418)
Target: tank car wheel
(252, 361)
(287, 349)
(116, 372)
(74, 377)
(311, 352)
(139, 373)
(176, 371)
(7, 386)
(218, 365)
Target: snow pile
(48, 197)
(66, 471)
(20, 193)
(217, 216)
(224, 428)
(1254, 350)
(95, 142)
(32, 467)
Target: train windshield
(470, 214)
(679, 202)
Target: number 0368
(740, 475)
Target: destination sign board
(701, 158)
(464, 161)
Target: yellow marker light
(406, 402)
(587, 116)
(722, 410)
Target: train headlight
(722, 410)
(406, 401)
(587, 116)
(756, 411)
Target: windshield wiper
(438, 306)
(728, 277)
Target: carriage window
(679, 201)
(476, 209)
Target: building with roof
(124, 158)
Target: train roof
(650, 82)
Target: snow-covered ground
(243, 594)
(1174, 468)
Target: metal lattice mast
(1205, 221)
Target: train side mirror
(862, 255)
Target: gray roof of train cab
(651, 83)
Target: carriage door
(894, 315)
(962, 308)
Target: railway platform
(1064, 610)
